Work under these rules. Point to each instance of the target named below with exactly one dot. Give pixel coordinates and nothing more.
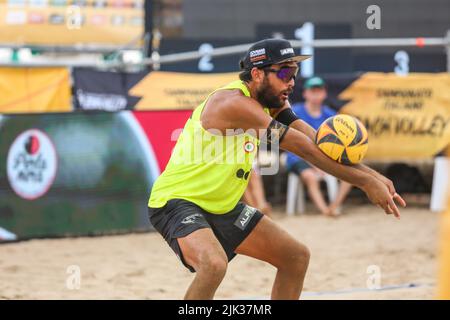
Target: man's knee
(212, 264)
(297, 259)
(203, 252)
(303, 254)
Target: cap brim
(296, 59)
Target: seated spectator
(313, 111)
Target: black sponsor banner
(206, 64)
(104, 90)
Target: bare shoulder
(224, 106)
(231, 109)
(223, 97)
(224, 100)
(232, 102)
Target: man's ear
(257, 74)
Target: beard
(267, 96)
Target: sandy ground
(142, 266)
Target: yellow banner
(172, 90)
(29, 90)
(64, 22)
(443, 279)
(406, 116)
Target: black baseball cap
(270, 51)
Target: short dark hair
(245, 76)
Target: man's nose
(291, 83)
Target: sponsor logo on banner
(56, 19)
(119, 4)
(59, 3)
(36, 18)
(17, 2)
(405, 116)
(80, 3)
(136, 21)
(98, 20)
(117, 20)
(32, 164)
(38, 3)
(101, 101)
(172, 90)
(16, 17)
(100, 4)
(138, 4)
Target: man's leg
(204, 253)
(309, 177)
(269, 242)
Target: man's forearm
(309, 131)
(302, 126)
(367, 169)
(299, 143)
(377, 175)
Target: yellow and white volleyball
(343, 138)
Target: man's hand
(387, 182)
(391, 188)
(379, 194)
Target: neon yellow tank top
(208, 169)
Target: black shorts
(179, 217)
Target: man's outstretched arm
(245, 113)
(310, 132)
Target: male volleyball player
(194, 204)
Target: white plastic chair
(295, 200)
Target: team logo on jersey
(249, 147)
(241, 174)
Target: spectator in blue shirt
(314, 112)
